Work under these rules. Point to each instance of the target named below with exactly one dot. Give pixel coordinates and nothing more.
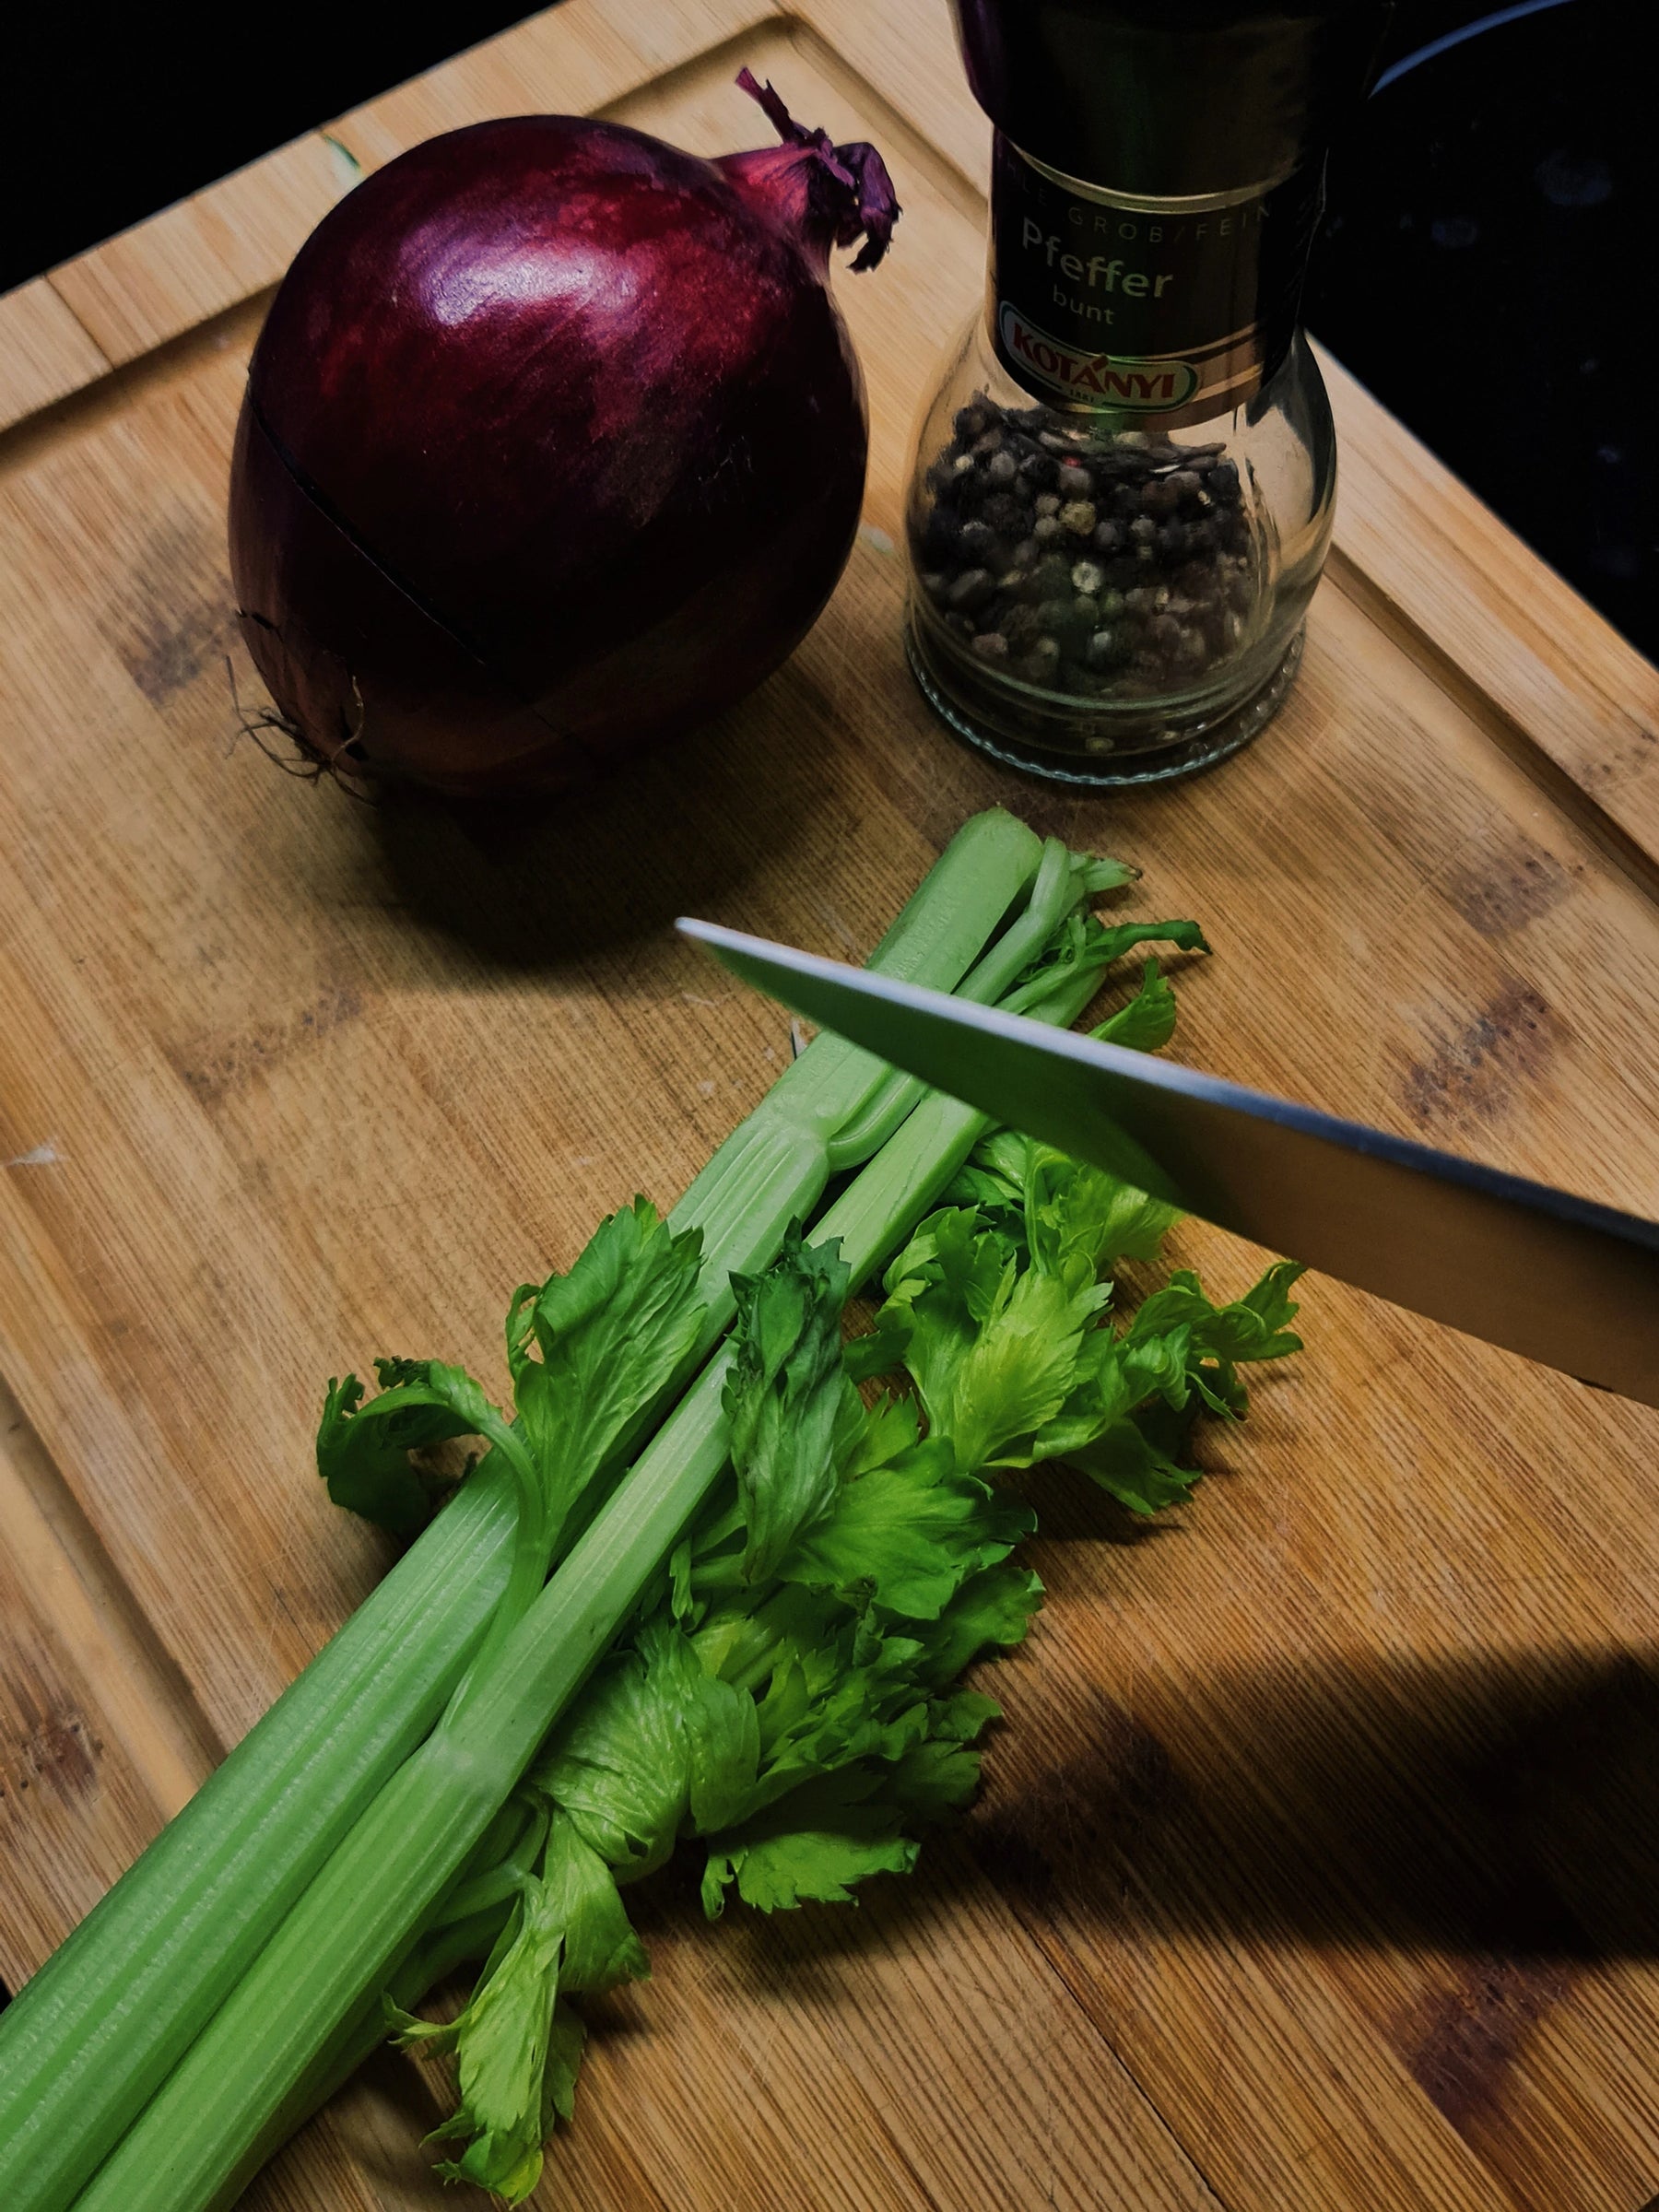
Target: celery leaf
(787, 1398)
(363, 1449)
(994, 1350)
(832, 1832)
(517, 2046)
(1146, 1022)
(501, 2046)
(620, 1766)
(591, 1350)
(992, 1608)
(909, 1532)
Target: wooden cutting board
(1315, 1867)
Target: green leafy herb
(792, 1699)
(753, 1637)
(786, 1398)
(363, 1451)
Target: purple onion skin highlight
(553, 446)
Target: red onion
(553, 445)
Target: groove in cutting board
(146, 1701)
(1567, 797)
(123, 386)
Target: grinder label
(1178, 309)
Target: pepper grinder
(1123, 484)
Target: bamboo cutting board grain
(1315, 1868)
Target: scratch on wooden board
(1486, 1062)
(1507, 883)
(49, 1742)
(170, 618)
(218, 1067)
(1462, 2047)
(38, 1156)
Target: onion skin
(553, 446)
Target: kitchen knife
(1536, 1270)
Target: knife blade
(1522, 1264)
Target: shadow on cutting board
(528, 884)
(1505, 1805)
(1500, 1810)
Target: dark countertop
(1485, 265)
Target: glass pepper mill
(1123, 486)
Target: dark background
(1484, 264)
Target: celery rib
(363, 1915)
(89, 2040)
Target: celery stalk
(298, 2005)
(91, 2036)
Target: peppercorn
(1082, 558)
(969, 486)
(1021, 628)
(943, 536)
(976, 539)
(971, 589)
